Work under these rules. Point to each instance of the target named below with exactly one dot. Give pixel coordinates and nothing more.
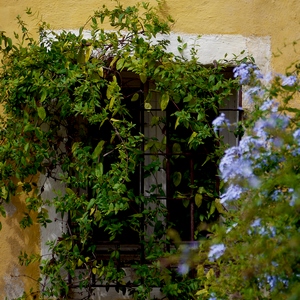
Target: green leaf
(100, 72)
(76, 250)
(99, 170)
(186, 202)
(176, 148)
(28, 127)
(177, 178)
(177, 122)
(44, 95)
(188, 98)
(75, 146)
(193, 135)
(109, 91)
(164, 101)
(113, 61)
(148, 106)
(9, 41)
(70, 192)
(143, 77)
(202, 292)
(120, 63)
(91, 203)
(149, 145)
(112, 102)
(2, 211)
(98, 150)
(212, 208)
(154, 121)
(137, 215)
(80, 262)
(26, 147)
(81, 56)
(198, 199)
(210, 274)
(114, 120)
(219, 206)
(110, 208)
(135, 97)
(4, 193)
(41, 112)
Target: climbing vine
(75, 111)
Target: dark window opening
(179, 169)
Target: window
(166, 175)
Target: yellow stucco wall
(15, 278)
(275, 18)
(278, 19)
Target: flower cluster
(289, 80)
(244, 72)
(261, 178)
(216, 251)
(258, 228)
(184, 262)
(240, 163)
(253, 93)
(219, 122)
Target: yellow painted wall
(278, 19)
(15, 278)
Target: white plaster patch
(212, 47)
(54, 229)
(14, 286)
(216, 46)
(9, 208)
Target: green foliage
(70, 114)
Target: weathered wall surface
(15, 278)
(261, 27)
(278, 20)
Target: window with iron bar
(178, 169)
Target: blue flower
(270, 103)
(272, 280)
(229, 159)
(194, 245)
(216, 251)
(250, 147)
(258, 74)
(258, 228)
(296, 135)
(219, 122)
(293, 198)
(268, 77)
(244, 72)
(277, 195)
(289, 80)
(233, 165)
(252, 93)
(232, 193)
(256, 223)
(273, 121)
(183, 268)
